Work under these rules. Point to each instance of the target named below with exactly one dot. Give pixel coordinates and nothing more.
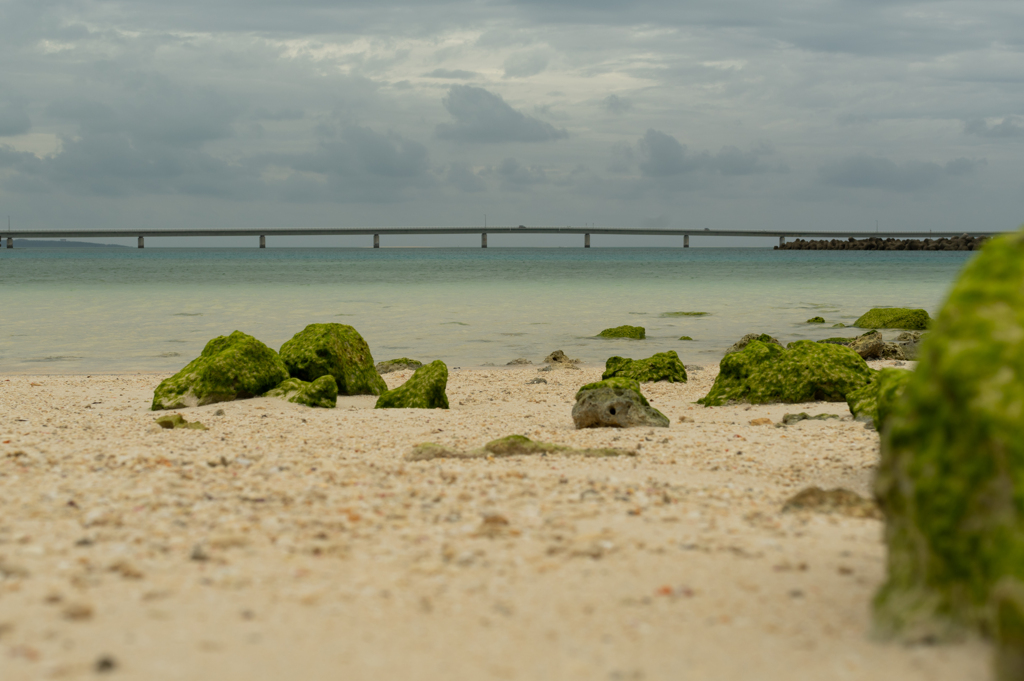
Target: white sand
(323, 555)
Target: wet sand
(289, 542)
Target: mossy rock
(171, 421)
(840, 325)
(664, 366)
(838, 340)
(323, 392)
(229, 368)
(512, 445)
(336, 350)
(894, 318)
(400, 364)
(685, 338)
(763, 373)
(626, 331)
(742, 342)
(874, 401)
(951, 476)
(615, 403)
(684, 314)
(425, 389)
(816, 320)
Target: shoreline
(299, 541)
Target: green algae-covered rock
(951, 476)
(742, 342)
(172, 421)
(664, 366)
(615, 403)
(512, 445)
(424, 390)
(805, 372)
(323, 392)
(230, 368)
(816, 320)
(686, 338)
(874, 401)
(635, 332)
(337, 350)
(893, 318)
(400, 364)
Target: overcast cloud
(747, 114)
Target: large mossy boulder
(626, 331)
(615, 403)
(663, 366)
(875, 401)
(804, 372)
(893, 318)
(951, 476)
(336, 350)
(323, 392)
(229, 368)
(425, 389)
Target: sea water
(125, 310)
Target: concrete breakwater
(960, 243)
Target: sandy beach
(290, 542)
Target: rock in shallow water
(894, 318)
(230, 368)
(951, 476)
(615, 403)
(323, 392)
(625, 331)
(742, 342)
(336, 350)
(663, 366)
(425, 389)
(400, 364)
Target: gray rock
(893, 351)
(868, 346)
(397, 365)
(560, 358)
(536, 380)
(518, 361)
(615, 406)
(742, 342)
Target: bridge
(782, 235)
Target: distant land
(59, 243)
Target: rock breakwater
(960, 243)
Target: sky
(742, 114)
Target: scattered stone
(894, 318)
(805, 372)
(839, 500)
(400, 364)
(951, 475)
(663, 366)
(323, 392)
(559, 358)
(761, 422)
(219, 412)
(873, 402)
(536, 380)
(199, 553)
(685, 338)
(425, 389)
(105, 664)
(615, 403)
(790, 419)
(178, 421)
(547, 367)
(625, 331)
(518, 361)
(816, 320)
(336, 350)
(231, 367)
(77, 612)
(510, 445)
(742, 342)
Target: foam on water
(116, 310)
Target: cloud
(614, 104)
(1008, 127)
(455, 74)
(482, 116)
(515, 175)
(461, 176)
(524, 65)
(284, 113)
(14, 121)
(664, 156)
(876, 172)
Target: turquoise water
(122, 310)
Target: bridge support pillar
(686, 241)
(483, 240)
(586, 241)
(142, 242)
(263, 241)
(376, 240)
(10, 242)
(782, 241)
